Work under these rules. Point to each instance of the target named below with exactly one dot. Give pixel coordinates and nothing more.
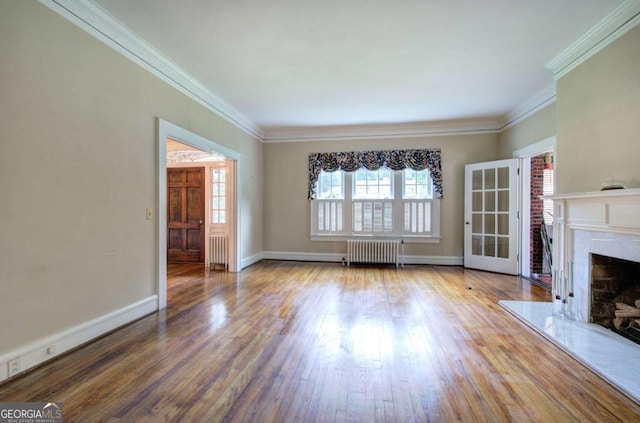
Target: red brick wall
(537, 168)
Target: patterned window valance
(374, 160)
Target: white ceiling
(290, 63)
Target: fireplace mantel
(593, 222)
(613, 210)
(597, 194)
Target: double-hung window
(329, 206)
(417, 202)
(380, 203)
(372, 202)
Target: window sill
(407, 239)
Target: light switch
(149, 214)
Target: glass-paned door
(491, 216)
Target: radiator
(373, 251)
(218, 250)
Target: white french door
(491, 216)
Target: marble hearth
(589, 343)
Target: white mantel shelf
(611, 193)
(616, 211)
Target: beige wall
(537, 127)
(78, 168)
(598, 109)
(287, 208)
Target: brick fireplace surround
(614, 281)
(604, 223)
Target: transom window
(381, 203)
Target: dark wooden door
(185, 215)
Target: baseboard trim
(337, 258)
(285, 255)
(435, 260)
(35, 353)
(248, 261)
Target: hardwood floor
(293, 342)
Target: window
(381, 203)
(330, 185)
(547, 189)
(329, 217)
(417, 197)
(375, 184)
(417, 184)
(218, 195)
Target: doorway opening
(541, 217)
(197, 206)
(182, 230)
(538, 171)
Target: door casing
(524, 155)
(169, 130)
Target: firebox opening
(615, 295)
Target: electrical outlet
(14, 366)
(149, 214)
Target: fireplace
(616, 281)
(588, 225)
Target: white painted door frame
(525, 154)
(169, 130)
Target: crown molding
(536, 103)
(391, 130)
(96, 21)
(622, 19)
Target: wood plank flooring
(298, 342)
